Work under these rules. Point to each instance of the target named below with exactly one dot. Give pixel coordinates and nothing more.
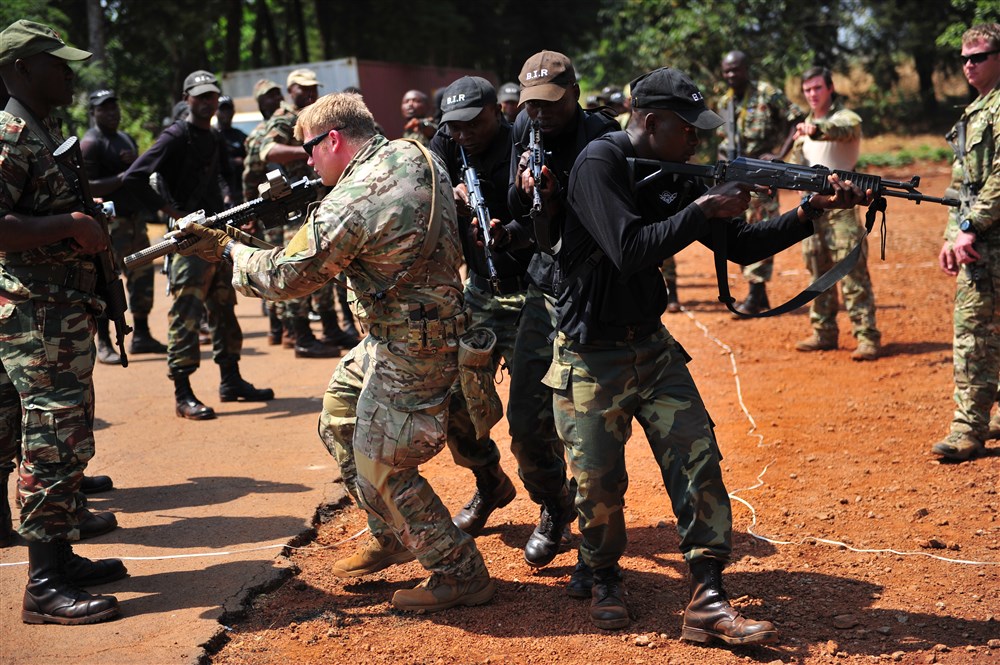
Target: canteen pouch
(475, 374)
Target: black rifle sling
(811, 292)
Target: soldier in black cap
(235, 139)
(509, 96)
(614, 361)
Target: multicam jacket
(32, 184)
(837, 142)
(281, 129)
(982, 135)
(371, 226)
(764, 118)
(254, 167)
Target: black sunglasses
(316, 140)
(977, 58)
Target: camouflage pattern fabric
(46, 345)
(129, 235)
(976, 350)
(280, 129)
(199, 286)
(254, 167)
(386, 408)
(533, 439)
(599, 389)
(417, 135)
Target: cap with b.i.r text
(199, 82)
(546, 76)
(667, 88)
(465, 98)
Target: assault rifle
(536, 160)
(779, 175)
(277, 204)
(482, 213)
(109, 281)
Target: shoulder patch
(11, 128)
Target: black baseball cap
(509, 92)
(199, 82)
(226, 100)
(667, 88)
(465, 98)
(98, 97)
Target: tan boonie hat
(304, 77)
(24, 38)
(546, 76)
(264, 86)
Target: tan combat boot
(816, 343)
(994, 428)
(376, 554)
(959, 446)
(439, 592)
(867, 350)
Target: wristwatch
(227, 253)
(967, 227)
(811, 213)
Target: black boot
(84, 572)
(607, 604)
(756, 301)
(709, 613)
(673, 303)
(581, 581)
(493, 490)
(189, 406)
(95, 524)
(96, 484)
(306, 344)
(6, 526)
(235, 388)
(333, 335)
(543, 544)
(142, 339)
(50, 598)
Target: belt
(626, 333)
(505, 285)
(79, 277)
(423, 333)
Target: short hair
(813, 72)
(988, 31)
(344, 110)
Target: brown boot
(376, 554)
(493, 490)
(709, 613)
(50, 598)
(439, 592)
(815, 342)
(607, 603)
(959, 446)
(867, 350)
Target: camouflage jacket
(280, 128)
(417, 135)
(254, 168)
(837, 141)
(763, 119)
(982, 135)
(371, 226)
(32, 184)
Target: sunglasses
(316, 140)
(977, 58)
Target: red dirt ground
(848, 534)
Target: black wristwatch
(967, 227)
(811, 213)
(227, 253)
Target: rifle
(957, 140)
(277, 204)
(734, 149)
(536, 160)
(478, 205)
(109, 282)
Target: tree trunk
(924, 61)
(95, 33)
(325, 17)
(300, 29)
(234, 28)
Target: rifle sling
(811, 292)
(35, 126)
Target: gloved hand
(210, 243)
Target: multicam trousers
(384, 414)
(761, 207)
(47, 409)
(599, 389)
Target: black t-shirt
(235, 145)
(492, 166)
(106, 155)
(634, 232)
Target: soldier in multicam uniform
(831, 136)
(758, 121)
(48, 307)
(390, 225)
(971, 252)
(614, 361)
(279, 147)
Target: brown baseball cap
(22, 39)
(546, 76)
(264, 86)
(304, 77)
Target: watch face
(966, 226)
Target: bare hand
(728, 199)
(961, 251)
(499, 235)
(845, 195)
(805, 129)
(462, 198)
(87, 234)
(548, 187)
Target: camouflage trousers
(129, 235)
(384, 414)
(47, 410)
(838, 232)
(599, 389)
(197, 286)
(761, 207)
(976, 351)
(533, 439)
(499, 314)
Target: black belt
(79, 277)
(505, 286)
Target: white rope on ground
(760, 478)
(222, 553)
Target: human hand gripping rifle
(536, 160)
(109, 282)
(482, 213)
(277, 204)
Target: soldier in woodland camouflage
(971, 252)
(389, 224)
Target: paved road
(209, 502)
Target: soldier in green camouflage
(389, 224)
(831, 136)
(971, 252)
(48, 305)
(418, 124)
(758, 120)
